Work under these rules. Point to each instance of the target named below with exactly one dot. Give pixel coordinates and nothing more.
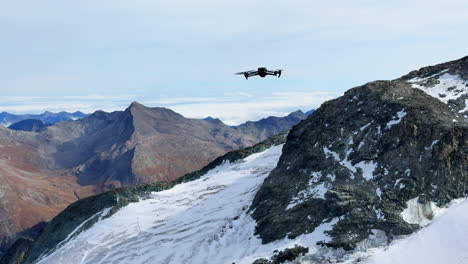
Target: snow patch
(365, 126)
(345, 162)
(443, 241)
(432, 144)
(378, 192)
(377, 238)
(450, 87)
(400, 115)
(466, 107)
(368, 168)
(313, 190)
(417, 213)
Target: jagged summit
(135, 104)
(455, 67)
(447, 82)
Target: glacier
(203, 221)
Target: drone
(262, 72)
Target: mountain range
(46, 169)
(364, 179)
(7, 119)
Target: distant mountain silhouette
(6, 119)
(34, 125)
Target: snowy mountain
(373, 176)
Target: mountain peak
(298, 114)
(212, 119)
(135, 104)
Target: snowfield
(203, 221)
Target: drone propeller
(246, 74)
(279, 72)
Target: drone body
(262, 72)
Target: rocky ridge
(360, 159)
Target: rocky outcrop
(360, 158)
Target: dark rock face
(358, 159)
(33, 125)
(17, 252)
(283, 256)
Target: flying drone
(262, 72)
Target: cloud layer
(232, 109)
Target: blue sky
(103, 54)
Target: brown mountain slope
(29, 193)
